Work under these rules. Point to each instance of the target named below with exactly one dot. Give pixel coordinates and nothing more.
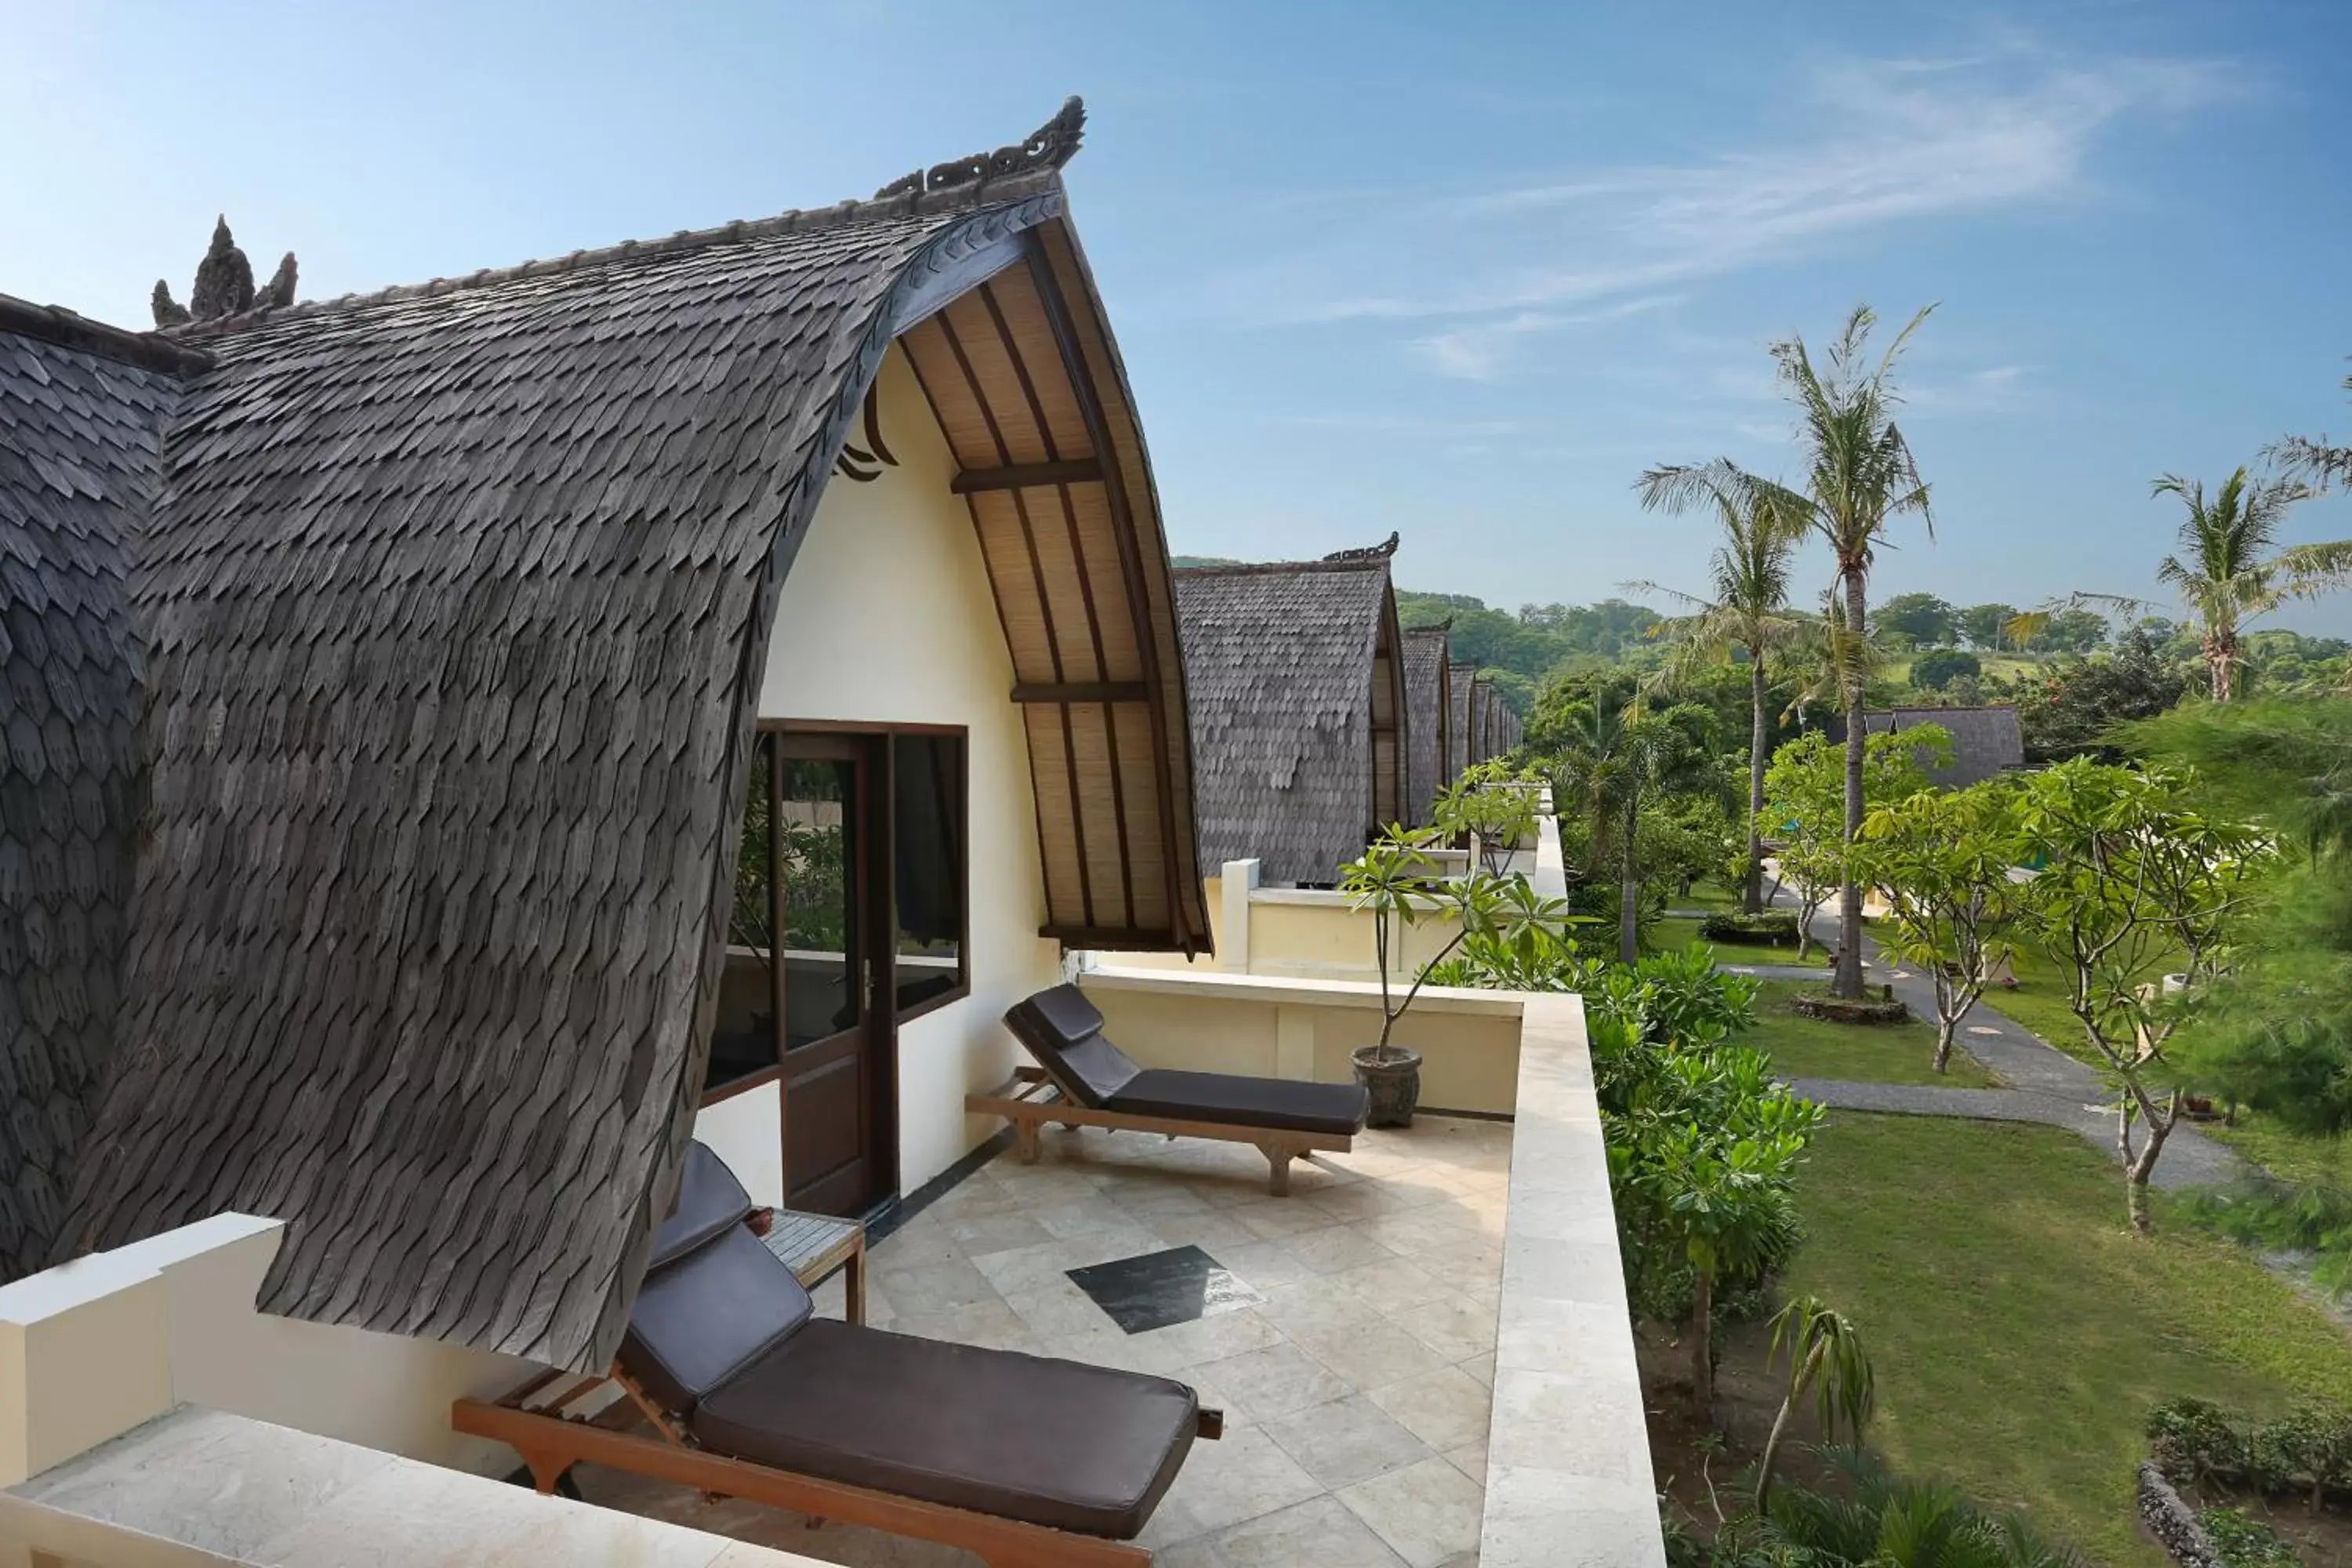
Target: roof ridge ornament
(223, 285)
(1049, 146)
(1381, 552)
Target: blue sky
(1460, 272)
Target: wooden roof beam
(1025, 476)
(1082, 691)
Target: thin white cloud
(1910, 140)
(1478, 352)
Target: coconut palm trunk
(1848, 980)
(1759, 734)
(1629, 887)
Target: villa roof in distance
(1985, 741)
(448, 607)
(80, 411)
(1297, 701)
(1427, 695)
(1460, 752)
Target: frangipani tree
(2134, 872)
(1943, 858)
(1401, 882)
(1804, 800)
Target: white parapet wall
(94, 1345)
(1277, 1026)
(1568, 1483)
(149, 1417)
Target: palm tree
(2227, 570)
(1859, 475)
(1617, 757)
(1749, 573)
(1825, 1355)
(1874, 1521)
(2325, 463)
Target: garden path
(2045, 1084)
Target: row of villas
(387, 687)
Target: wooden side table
(815, 1246)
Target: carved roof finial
(279, 289)
(1049, 146)
(223, 278)
(169, 312)
(1380, 551)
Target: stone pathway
(2045, 1084)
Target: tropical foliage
(1620, 759)
(1804, 795)
(2133, 871)
(1747, 615)
(1943, 859)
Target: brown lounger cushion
(1054, 1443)
(1230, 1099)
(715, 1299)
(1063, 1031)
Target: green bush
(2192, 1441)
(1773, 927)
(2306, 1453)
(2241, 1541)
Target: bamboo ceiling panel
(1079, 575)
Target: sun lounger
(1084, 1080)
(1023, 1460)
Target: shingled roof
(80, 411)
(1460, 752)
(1430, 715)
(449, 609)
(1985, 741)
(1298, 701)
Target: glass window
(928, 850)
(817, 815)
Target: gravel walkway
(2045, 1084)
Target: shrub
(2307, 1452)
(1772, 927)
(2241, 1541)
(2193, 1441)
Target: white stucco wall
(94, 1346)
(886, 617)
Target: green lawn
(1895, 1053)
(1667, 934)
(1705, 895)
(2020, 1333)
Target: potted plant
(1400, 884)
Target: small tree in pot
(1401, 884)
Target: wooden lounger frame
(551, 1442)
(1029, 1099)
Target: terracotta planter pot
(1394, 1083)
